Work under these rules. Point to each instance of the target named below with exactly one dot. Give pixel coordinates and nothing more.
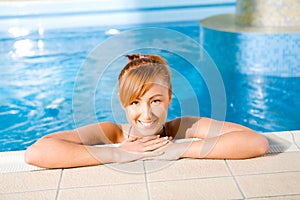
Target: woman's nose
(146, 112)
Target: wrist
(183, 148)
(103, 153)
(120, 155)
(116, 154)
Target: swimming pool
(39, 70)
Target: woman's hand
(145, 144)
(172, 151)
(141, 148)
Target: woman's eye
(156, 101)
(134, 103)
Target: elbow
(262, 146)
(35, 155)
(28, 156)
(32, 156)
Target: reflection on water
(36, 81)
(264, 103)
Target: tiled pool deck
(274, 176)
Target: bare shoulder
(102, 132)
(113, 131)
(110, 125)
(179, 127)
(201, 127)
(184, 120)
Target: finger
(155, 141)
(156, 146)
(149, 138)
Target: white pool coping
(227, 23)
(279, 142)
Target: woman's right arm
(71, 148)
(50, 152)
(75, 148)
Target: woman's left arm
(231, 145)
(219, 140)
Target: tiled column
(268, 13)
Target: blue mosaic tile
(254, 53)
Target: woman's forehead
(155, 89)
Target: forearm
(54, 153)
(233, 145)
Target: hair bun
(133, 57)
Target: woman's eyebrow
(155, 96)
(152, 97)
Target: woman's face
(148, 113)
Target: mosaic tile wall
(252, 53)
(272, 13)
(271, 52)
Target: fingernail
(165, 142)
(166, 137)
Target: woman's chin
(148, 132)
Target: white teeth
(146, 124)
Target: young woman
(145, 94)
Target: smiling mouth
(146, 125)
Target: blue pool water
(38, 73)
